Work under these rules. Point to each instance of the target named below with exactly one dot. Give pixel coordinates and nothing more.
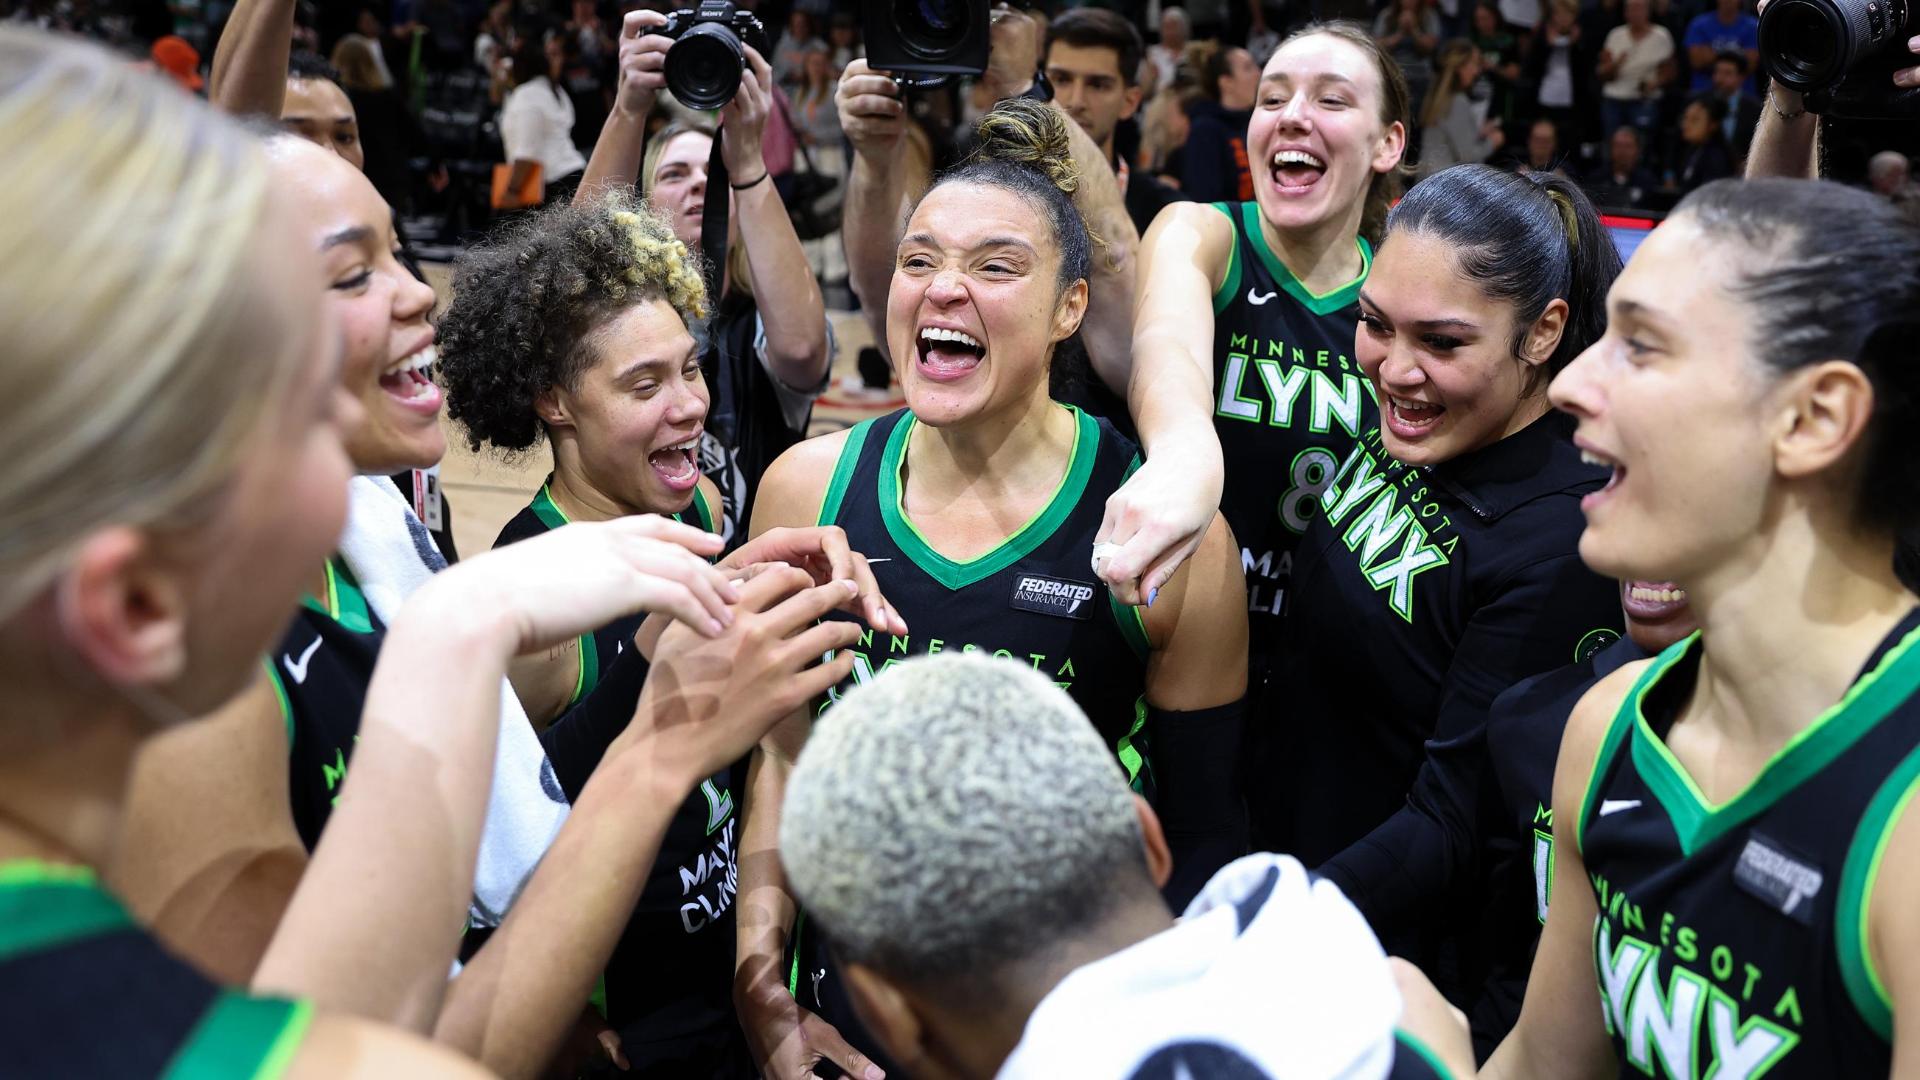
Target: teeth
(1591, 458)
(419, 361)
(940, 333)
(1411, 406)
(688, 446)
(1658, 596)
(1297, 157)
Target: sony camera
(1842, 54)
(704, 65)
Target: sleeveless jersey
(671, 973)
(85, 992)
(320, 673)
(1732, 939)
(1289, 400)
(603, 646)
(1033, 599)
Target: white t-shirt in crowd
(536, 124)
(1556, 83)
(1638, 60)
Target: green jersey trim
(547, 510)
(1698, 822)
(1319, 303)
(1617, 730)
(1230, 285)
(843, 472)
(958, 575)
(243, 1036)
(701, 511)
(1424, 1052)
(1131, 759)
(1132, 625)
(45, 905)
(1862, 868)
(280, 695)
(344, 603)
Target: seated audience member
(1214, 165)
(994, 924)
(1889, 174)
(1455, 129)
(1409, 30)
(1702, 156)
(1635, 65)
(1559, 66)
(1743, 109)
(1728, 28)
(1165, 54)
(1093, 60)
(1542, 151)
(1622, 181)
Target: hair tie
(1567, 216)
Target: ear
(1544, 336)
(1131, 102)
(1070, 310)
(122, 611)
(553, 407)
(1159, 856)
(887, 1013)
(1393, 143)
(1826, 408)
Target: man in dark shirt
(1622, 181)
(1093, 61)
(1215, 167)
(1743, 110)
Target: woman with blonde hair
(1454, 128)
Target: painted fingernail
(1151, 593)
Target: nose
(412, 298)
(948, 287)
(697, 180)
(1295, 115)
(1401, 369)
(688, 404)
(1575, 390)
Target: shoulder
(522, 526)
(1589, 727)
(794, 485)
(1190, 234)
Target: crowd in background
(1639, 101)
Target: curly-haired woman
(573, 327)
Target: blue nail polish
(1151, 593)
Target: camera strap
(713, 222)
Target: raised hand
(744, 120)
(643, 59)
(871, 112)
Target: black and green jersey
(1732, 938)
(321, 672)
(669, 980)
(85, 992)
(1034, 599)
(601, 648)
(1289, 400)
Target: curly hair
(527, 303)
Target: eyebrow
(644, 363)
(1326, 77)
(1426, 324)
(355, 234)
(989, 242)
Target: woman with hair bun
(978, 505)
(1736, 856)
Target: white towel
(391, 554)
(1270, 973)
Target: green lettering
(1789, 1005)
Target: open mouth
(1296, 171)
(1613, 481)
(1412, 419)
(947, 354)
(410, 380)
(1649, 601)
(678, 466)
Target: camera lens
(703, 67)
(1803, 43)
(933, 29)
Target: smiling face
(381, 308)
(1673, 399)
(976, 305)
(636, 413)
(680, 186)
(1440, 354)
(318, 111)
(1316, 137)
(1087, 83)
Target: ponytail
(1525, 239)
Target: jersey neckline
(957, 575)
(46, 905)
(1697, 821)
(1317, 303)
(344, 603)
(553, 517)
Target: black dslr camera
(1842, 54)
(703, 67)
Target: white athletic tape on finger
(1103, 551)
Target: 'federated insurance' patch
(1782, 879)
(1053, 596)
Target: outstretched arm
(249, 75)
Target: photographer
(768, 346)
(1787, 142)
(891, 169)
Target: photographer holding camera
(1850, 69)
(768, 346)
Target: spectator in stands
(1622, 181)
(390, 135)
(1890, 175)
(1499, 61)
(1163, 133)
(369, 33)
(444, 31)
(493, 42)
(1410, 31)
(317, 108)
(1543, 153)
(536, 123)
(1743, 109)
(1636, 63)
(1560, 65)
(1454, 128)
(1214, 165)
(1703, 155)
(789, 57)
(1727, 28)
(1093, 58)
(1165, 55)
(843, 37)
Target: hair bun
(1031, 134)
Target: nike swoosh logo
(298, 668)
(1614, 806)
(1256, 299)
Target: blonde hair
(1454, 55)
(358, 66)
(135, 373)
(739, 274)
